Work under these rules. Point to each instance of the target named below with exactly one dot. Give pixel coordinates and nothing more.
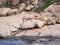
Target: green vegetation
(48, 2)
(8, 6)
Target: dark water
(20, 42)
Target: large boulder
(27, 15)
(21, 7)
(4, 30)
(38, 23)
(28, 24)
(15, 20)
(29, 7)
(4, 11)
(52, 30)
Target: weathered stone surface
(52, 30)
(4, 30)
(21, 7)
(29, 7)
(28, 24)
(53, 9)
(31, 33)
(36, 15)
(38, 23)
(12, 20)
(13, 2)
(26, 15)
(30, 15)
(13, 12)
(4, 11)
(47, 14)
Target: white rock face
(4, 11)
(4, 30)
(28, 24)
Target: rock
(38, 23)
(4, 30)
(31, 33)
(53, 9)
(13, 2)
(47, 14)
(12, 28)
(21, 7)
(15, 21)
(2, 2)
(35, 15)
(52, 30)
(4, 11)
(29, 7)
(28, 24)
(27, 15)
(55, 30)
(13, 12)
(30, 15)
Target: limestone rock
(15, 20)
(30, 15)
(28, 24)
(53, 9)
(29, 7)
(52, 30)
(35, 15)
(4, 11)
(21, 7)
(47, 14)
(4, 30)
(27, 15)
(13, 2)
(38, 23)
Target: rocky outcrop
(28, 24)
(29, 7)
(4, 11)
(13, 12)
(21, 7)
(4, 30)
(55, 10)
